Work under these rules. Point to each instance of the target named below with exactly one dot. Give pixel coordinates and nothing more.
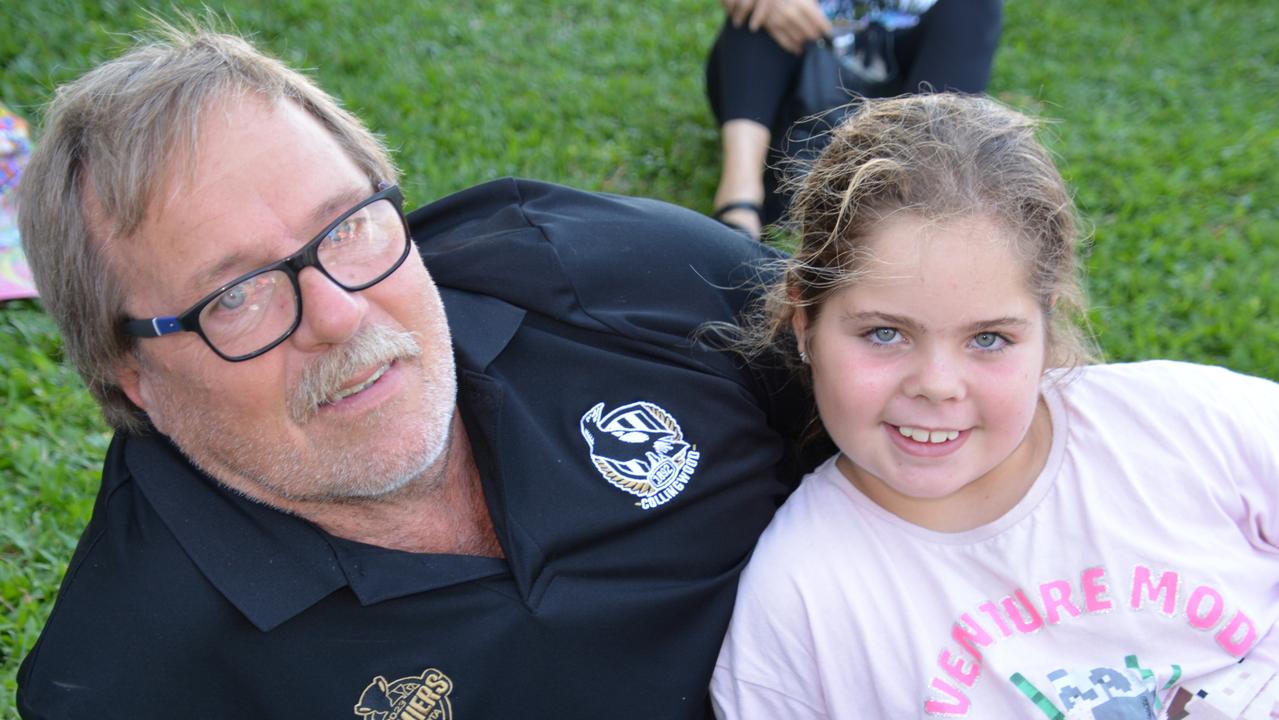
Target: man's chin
(335, 464)
(355, 471)
(363, 456)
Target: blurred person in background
(782, 72)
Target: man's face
(267, 179)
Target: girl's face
(927, 373)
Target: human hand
(791, 23)
(739, 11)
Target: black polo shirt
(628, 472)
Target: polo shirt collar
(268, 564)
(481, 326)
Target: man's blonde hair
(111, 139)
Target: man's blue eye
(250, 290)
(233, 298)
(342, 232)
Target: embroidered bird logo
(637, 447)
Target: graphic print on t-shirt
(1099, 693)
(1242, 691)
(1102, 691)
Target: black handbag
(823, 95)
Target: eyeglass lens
(263, 308)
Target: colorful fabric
(1138, 578)
(893, 14)
(861, 33)
(15, 148)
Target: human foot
(743, 215)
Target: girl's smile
(926, 443)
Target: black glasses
(259, 310)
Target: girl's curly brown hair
(938, 157)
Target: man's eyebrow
(339, 203)
(323, 214)
(219, 270)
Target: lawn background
(1167, 127)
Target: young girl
(999, 535)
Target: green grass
(50, 459)
(1169, 133)
(1166, 126)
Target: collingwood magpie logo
(639, 448)
(417, 697)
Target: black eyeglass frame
(307, 256)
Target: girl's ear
(799, 321)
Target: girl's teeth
(926, 436)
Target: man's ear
(128, 375)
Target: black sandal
(740, 205)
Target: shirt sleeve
(736, 699)
(1253, 405)
(1225, 426)
(767, 667)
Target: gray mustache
(372, 345)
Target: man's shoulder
(567, 216)
(130, 604)
(551, 248)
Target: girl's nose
(937, 378)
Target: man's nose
(330, 313)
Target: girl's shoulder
(821, 498)
(1166, 387)
(824, 521)
(1200, 413)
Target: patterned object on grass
(15, 148)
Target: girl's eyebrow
(881, 318)
(1005, 323)
(1009, 322)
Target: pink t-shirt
(1138, 578)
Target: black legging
(749, 76)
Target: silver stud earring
(803, 357)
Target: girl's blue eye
(989, 341)
(884, 336)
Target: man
(346, 486)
